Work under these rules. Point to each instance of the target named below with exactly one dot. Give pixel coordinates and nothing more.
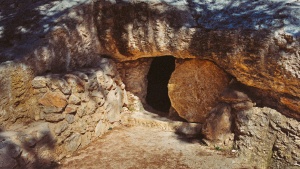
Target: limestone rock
(70, 118)
(267, 138)
(55, 99)
(71, 109)
(100, 128)
(73, 99)
(73, 142)
(134, 75)
(217, 127)
(61, 127)
(53, 117)
(194, 88)
(39, 82)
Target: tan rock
(54, 117)
(194, 88)
(56, 99)
(71, 109)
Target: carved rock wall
(257, 53)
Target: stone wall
(72, 110)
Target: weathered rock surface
(194, 88)
(134, 75)
(218, 128)
(266, 137)
(36, 37)
(262, 51)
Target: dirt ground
(149, 148)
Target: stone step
(148, 119)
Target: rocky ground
(144, 147)
(147, 140)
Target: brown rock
(194, 88)
(54, 117)
(75, 82)
(70, 109)
(217, 127)
(234, 96)
(56, 99)
(293, 104)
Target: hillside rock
(267, 138)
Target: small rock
(52, 109)
(75, 82)
(74, 100)
(81, 111)
(70, 109)
(54, 117)
(73, 142)
(86, 139)
(40, 91)
(53, 99)
(70, 118)
(39, 82)
(61, 127)
(91, 107)
(100, 128)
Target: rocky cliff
(252, 48)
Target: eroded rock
(218, 128)
(267, 138)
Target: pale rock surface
(194, 88)
(267, 138)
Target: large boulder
(265, 137)
(194, 88)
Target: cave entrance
(158, 77)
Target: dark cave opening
(158, 77)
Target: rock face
(134, 75)
(262, 52)
(194, 88)
(267, 137)
(48, 37)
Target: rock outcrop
(256, 42)
(266, 137)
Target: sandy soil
(149, 148)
